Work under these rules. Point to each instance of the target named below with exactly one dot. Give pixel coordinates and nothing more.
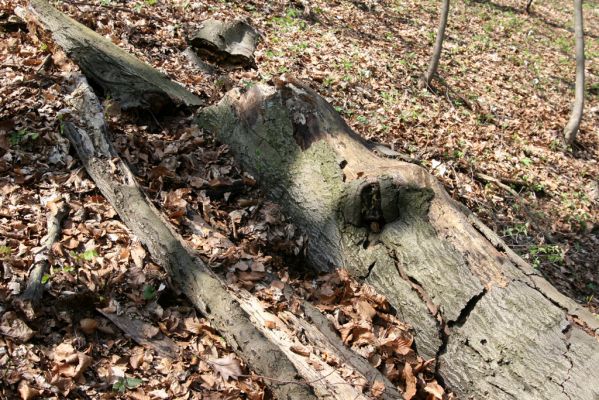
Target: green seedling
(124, 383)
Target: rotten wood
(121, 76)
(144, 334)
(497, 330)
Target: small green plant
(347, 65)
(65, 268)
(564, 44)
(105, 3)
(124, 383)
(362, 119)
(149, 292)
(87, 255)
(516, 230)
(5, 251)
(22, 136)
(547, 252)
(526, 161)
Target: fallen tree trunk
(497, 329)
(132, 83)
(239, 317)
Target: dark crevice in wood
(465, 313)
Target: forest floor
(504, 95)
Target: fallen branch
(86, 132)
(35, 288)
(489, 179)
(498, 330)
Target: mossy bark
(496, 328)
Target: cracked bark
(422, 247)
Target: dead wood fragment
(35, 288)
(144, 334)
(227, 42)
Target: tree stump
(226, 42)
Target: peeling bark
(495, 325)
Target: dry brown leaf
(88, 325)
(12, 326)
(301, 350)
(227, 367)
(378, 388)
(159, 394)
(138, 253)
(410, 380)
(365, 310)
(27, 392)
(435, 390)
(137, 357)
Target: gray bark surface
(230, 42)
(571, 129)
(497, 329)
(132, 83)
(86, 133)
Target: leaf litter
(500, 114)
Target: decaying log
(497, 329)
(86, 131)
(132, 83)
(227, 42)
(239, 317)
(35, 288)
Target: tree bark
(571, 129)
(497, 329)
(132, 83)
(228, 42)
(438, 48)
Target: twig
(488, 178)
